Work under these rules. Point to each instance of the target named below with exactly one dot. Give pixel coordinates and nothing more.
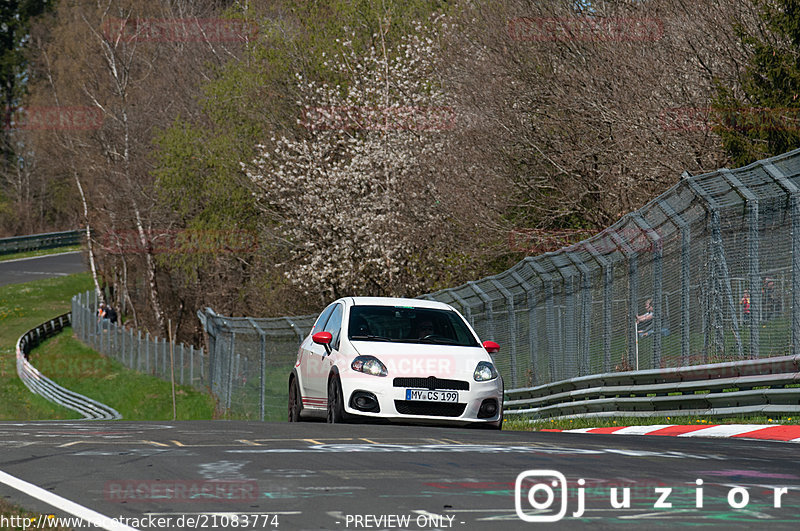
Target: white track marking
(84, 513)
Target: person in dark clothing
(111, 314)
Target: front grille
(434, 409)
(432, 382)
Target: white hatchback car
(406, 360)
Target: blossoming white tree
(354, 194)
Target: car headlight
(369, 365)
(485, 371)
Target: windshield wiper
(370, 338)
(438, 339)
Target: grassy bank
(22, 307)
(136, 396)
(75, 366)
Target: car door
(319, 357)
(310, 362)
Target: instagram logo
(540, 494)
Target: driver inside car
(425, 329)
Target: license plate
(431, 396)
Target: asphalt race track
(316, 476)
(40, 267)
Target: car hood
(415, 360)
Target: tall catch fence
(706, 272)
(250, 360)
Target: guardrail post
(512, 325)
(754, 272)
(794, 211)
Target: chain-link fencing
(706, 272)
(250, 360)
(141, 352)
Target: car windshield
(409, 325)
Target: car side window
(334, 325)
(319, 326)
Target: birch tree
(355, 196)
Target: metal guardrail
(43, 386)
(720, 389)
(33, 242)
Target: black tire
(295, 402)
(336, 414)
(500, 423)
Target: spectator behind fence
(745, 302)
(645, 321)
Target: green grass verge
(136, 396)
(513, 423)
(22, 307)
(75, 366)
(40, 252)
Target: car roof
(398, 301)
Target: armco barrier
(43, 386)
(34, 242)
(721, 389)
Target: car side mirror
(491, 347)
(323, 338)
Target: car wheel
(295, 402)
(336, 414)
(500, 422)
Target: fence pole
(686, 238)
(608, 294)
(512, 325)
(550, 318)
(656, 248)
(794, 211)
(586, 310)
(263, 368)
(633, 290)
(487, 304)
(532, 326)
(754, 273)
(465, 308)
(230, 369)
(718, 261)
